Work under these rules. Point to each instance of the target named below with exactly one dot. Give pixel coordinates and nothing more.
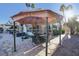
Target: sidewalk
(51, 46)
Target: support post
(52, 31)
(46, 36)
(60, 33)
(14, 37)
(22, 30)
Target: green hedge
(57, 32)
(63, 31)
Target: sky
(9, 9)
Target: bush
(57, 32)
(63, 31)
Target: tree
(64, 8)
(31, 5)
(73, 25)
(69, 7)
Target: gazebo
(36, 17)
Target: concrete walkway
(40, 49)
(52, 46)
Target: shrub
(57, 32)
(63, 31)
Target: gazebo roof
(36, 16)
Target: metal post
(60, 33)
(46, 36)
(52, 31)
(22, 30)
(14, 37)
(21, 27)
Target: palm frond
(32, 5)
(69, 7)
(27, 4)
(62, 7)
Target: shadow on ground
(70, 46)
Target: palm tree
(69, 7)
(64, 8)
(31, 5)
